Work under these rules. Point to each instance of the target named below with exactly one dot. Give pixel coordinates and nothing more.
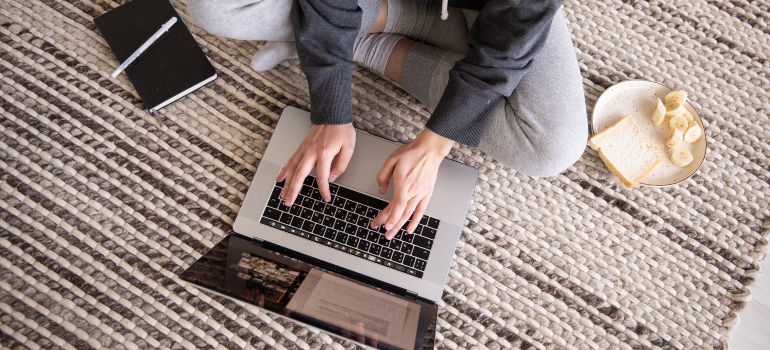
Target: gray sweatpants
(540, 130)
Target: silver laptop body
(451, 197)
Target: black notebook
(169, 69)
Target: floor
(753, 331)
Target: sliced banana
(674, 138)
(679, 122)
(658, 112)
(675, 99)
(681, 157)
(693, 132)
(687, 115)
(676, 112)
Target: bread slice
(629, 153)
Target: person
(501, 75)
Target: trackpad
(373, 315)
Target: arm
(325, 31)
(503, 41)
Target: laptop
(322, 265)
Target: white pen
(144, 46)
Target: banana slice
(670, 114)
(693, 132)
(675, 99)
(679, 122)
(674, 138)
(687, 115)
(658, 112)
(681, 157)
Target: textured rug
(102, 204)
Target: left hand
(413, 167)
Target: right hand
(327, 148)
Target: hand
(413, 167)
(328, 148)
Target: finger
(298, 179)
(340, 163)
(290, 168)
(404, 217)
(399, 205)
(360, 331)
(386, 172)
(381, 217)
(322, 166)
(284, 171)
(418, 213)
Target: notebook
(172, 67)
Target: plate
(637, 98)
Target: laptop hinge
(411, 295)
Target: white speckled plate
(637, 98)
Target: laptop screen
(313, 294)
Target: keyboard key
(306, 213)
(272, 213)
(411, 271)
(362, 198)
(352, 218)
(406, 248)
(330, 210)
(407, 237)
(363, 221)
(341, 237)
(383, 241)
(297, 222)
(429, 232)
(419, 265)
(353, 241)
(339, 202)
(386, 253)
(280, 184)
(361, 209)
(420, 252)
(372, 236)
(364, 245)
(409, 260)
(371, 213)
(319, 206)
(286, 218)
(433, 223)
(341, 214)
(330, 233)
(307, 202)
(328, 221)
(424, 220)
(351, 229)
(318, 218)
(273, 202)
(423, 242)
(309, 181)
(306, 191)
(339, 225)
(395, 244)
(350, 205)
(295, 210)
(333, 188)
(362, 233)
(316, 195)
(319, 230)
(418, 229)
(375, 249)
(398, 257)
(400, 268)
(282, 207)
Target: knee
(211, 15)
(551, 151)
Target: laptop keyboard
(343, 224)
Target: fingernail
(383, 189)
(388, 226)
(332, 178)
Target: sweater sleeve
(325, 31)
(503, 41)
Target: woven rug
(103, 204)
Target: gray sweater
(503, 41)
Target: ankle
(382, 19)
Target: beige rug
(101, 206)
